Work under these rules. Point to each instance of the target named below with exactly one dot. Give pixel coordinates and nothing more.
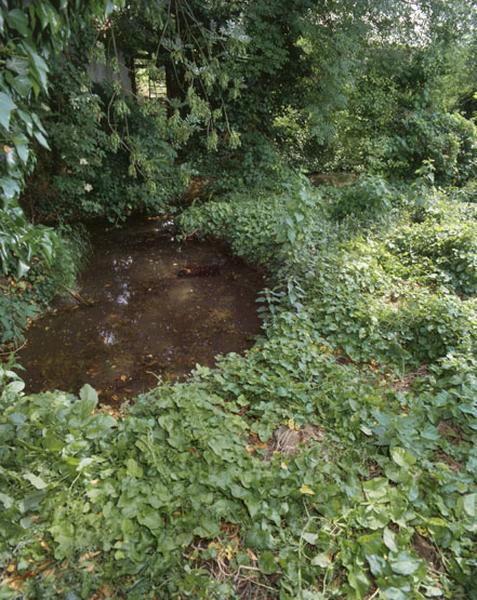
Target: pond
(148, 307)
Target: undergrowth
(50, 265)
(367, 361)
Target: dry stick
(79, 298)
(13, 351)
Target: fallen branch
(79, 298)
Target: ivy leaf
(36, 481)
(321, 560)
(310, 538)
(89, 394)
(389, 539)
(6, 107)
(404, 564)
(469, 502)
(402, 457)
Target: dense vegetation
(338, 457)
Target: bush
(444, 252)
(367, 199)
(447, 139)
(108, 159)
(50, 265)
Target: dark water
(157, 308)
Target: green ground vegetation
(368, 359)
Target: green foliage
(400, 114)
(466, 193)
(369, 349)
(448, 140)
(367, 199)
(100, 164)
(24, 293)
(186, 485)
(444, 252)
(29, 36)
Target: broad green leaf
(21, 146)
(402, 457)
(321, 560)
(10, 187)
(377, 564)
(310, 538)
(6, 107)
(17, 19)
(38, 123)
(133, 468)
(84, 462)
(469, 503)
(89, 394)
(358, 581)
(267, 562)
(432, 591)
(26, 118)
(18, 64)
(394, 593)
(41, 139)
(404, 564)
(41, 68)
(15, 387)
(7, 501)
(109, 8)
(23, 85)
(36, 481)
(376, 488)
(253, 504)
(22, 269)
(389, 539)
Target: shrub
(367, 199)
(443, 251)
(447, 139)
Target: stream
(152, 308)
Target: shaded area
(156, 307)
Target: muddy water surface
(156, 308)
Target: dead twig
(79, 298)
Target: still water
(155, 308)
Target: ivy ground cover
(336, 459)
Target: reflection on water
(144, 320)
